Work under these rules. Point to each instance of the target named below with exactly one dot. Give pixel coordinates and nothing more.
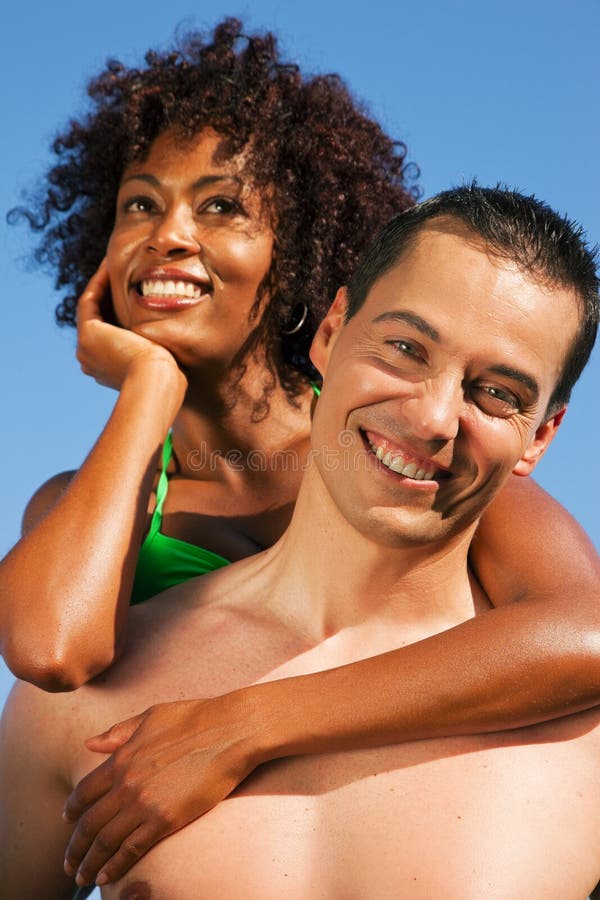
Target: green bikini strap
(163, 481)
(162, 487)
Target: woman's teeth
(397, 463)
(159, 288)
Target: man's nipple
(137, 890)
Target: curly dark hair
(334, 177)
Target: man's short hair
(515, 227)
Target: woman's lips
(170, 293)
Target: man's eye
(496, 401)
(406, 348)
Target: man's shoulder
(204, 607)
(196, 639)
(35, 726)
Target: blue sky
(502, 91)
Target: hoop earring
(295, 328)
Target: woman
(243, 196)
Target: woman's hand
(107, 352)
(168, 766)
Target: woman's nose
(174, 233)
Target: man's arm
(33, 788)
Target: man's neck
(337, 578)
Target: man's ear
(327, 332)
(540, 443)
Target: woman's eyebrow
(203, 181)
(207, 180)
(141, 176)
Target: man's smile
(403, 461)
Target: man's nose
(434, 413)
(174, 233)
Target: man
(447, 365)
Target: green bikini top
(165, 561)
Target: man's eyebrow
(203, 181)
(517, 375)
(404, 315)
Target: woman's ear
(540, 443)
(327, 332)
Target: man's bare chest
(457, 818)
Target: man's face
(436, 390)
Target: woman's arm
(65, 586)
(534, 657)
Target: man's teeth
(150, 287)
(397, 463)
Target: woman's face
(190, 246)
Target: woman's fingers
(88, 305)
(109, 352)
(115, 849)
(114, 833)
(131, 850)
(180, 759)
(114, 737)
(100, 826)
(90, 789)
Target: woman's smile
(168, 288)
(190, 249)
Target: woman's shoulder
(44, 499)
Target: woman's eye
(221, 206)
(497, 401)
(139, 204)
